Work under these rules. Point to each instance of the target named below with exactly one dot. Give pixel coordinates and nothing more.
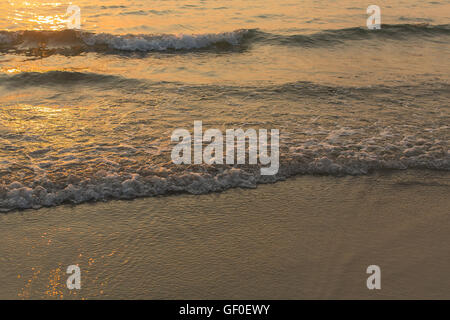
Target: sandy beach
(311, 237)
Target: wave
(45, 193)
(74, 42)
(67, 41)
(421, 31)
(303, 88)
(53, 78)
(331, 156)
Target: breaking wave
(73, 42)
(101, 42)
(329, 157)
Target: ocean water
(87, 115)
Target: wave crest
(333, 37)
(145, 43)
(86, 41)
(81, 41)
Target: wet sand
(311, 237)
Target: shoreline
(309, 237)
(128, 190)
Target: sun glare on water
(38, 15)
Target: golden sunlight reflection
(34, 119)
(47, 110)
(30, 15)
(11, 70)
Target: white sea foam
(163, 42)
(309, 158)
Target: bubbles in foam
(164, 42)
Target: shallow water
(305, 238)
(88, 115)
